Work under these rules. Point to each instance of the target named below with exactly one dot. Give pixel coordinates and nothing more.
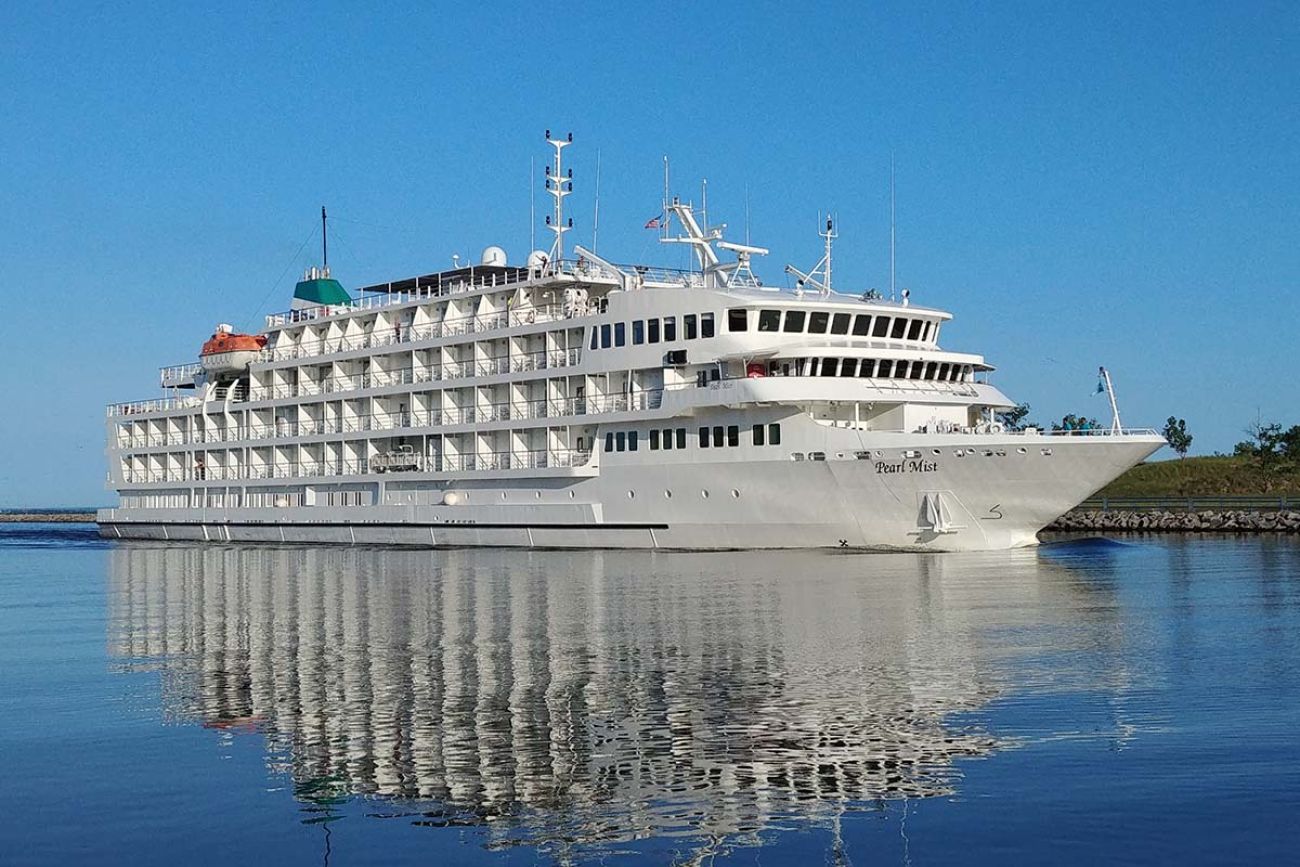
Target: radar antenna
(558, 185)
(822, 269)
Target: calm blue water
(1086, 702)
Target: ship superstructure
(575, 402)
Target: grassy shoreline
(1219, 476)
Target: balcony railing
(505, 460)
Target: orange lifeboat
(227, 352)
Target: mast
(558, 185)
(1114, 407)
(324, 243)
(595, 220)
(891, 226)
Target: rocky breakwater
(1180, 522)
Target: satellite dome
(538, 259)
(493, 256)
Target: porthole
(735, 494)
(959, 453)
(668, 495)
(631, 495)
(570, 495)
(704, 494)
(936, 452)
(503, 495)
(1022, 450)
(539, 495)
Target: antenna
(746, 212)
(532, 205)
(829, 235)
(595, 221)
(891, 226)
(663, 222)
(704, 203)
(324, 243)
(558, 185)
(823, 267)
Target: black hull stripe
(384, 525)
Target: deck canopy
(475, 273)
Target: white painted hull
(998, 495)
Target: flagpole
(1114, 407)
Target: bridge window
(652, 330)
(886, 368)
(620, 441)
(914, 333)
(925, 335)
(918, 368)
(620, 333)
(868, 368)
(900, 370)
(900, 328)
(774, 434)
(737, 319)
(706, 325)
(848, 366)
(704, 438)
(758, 435)
(595, 336)
(930, 369)
(794, 321)
(670, 329)
(690, 324)
(861, 325)
(817, 321)
(840, 323)
(638, 332)
(769, 320)
(604, 336)
(882, 327)
(943, 372)
(829, 366)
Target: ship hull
(957, 494)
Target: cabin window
(737, 319)
(914, 333)
(812, 366)
(717, 436)
(668, 438)
(881, 328)
(652, 330)
(620, 333)
(886, 368)
(609, 442)
(930, 369)
(817, 321)
(769, 320)
(706, 325)
(690, 326)
(605, 336)
(632, 438)
(733, 435)
(654, 439)
(943, 372)
(670, 329)
(848, 366)
(861, 325)
(638, 332)
(704, 438)
(595, 336)
(918, 368)
(840, 323)
(774, 434)
(925, 334)
(830, 366)
(900, 328)
(794, 321)
(758, 435)
(620, 441)
(868, 368)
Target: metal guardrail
(1272, 503)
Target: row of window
(826, 322)
(717, 436)
(652, 330)
(885, 368)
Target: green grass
(1206, 477)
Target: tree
(1176, 435)
(1264, 442)
(1014, 418)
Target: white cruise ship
(575, 402)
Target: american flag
(654, 222)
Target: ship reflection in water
(588, 699)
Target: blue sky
(1081, 184)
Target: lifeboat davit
(229, 353)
